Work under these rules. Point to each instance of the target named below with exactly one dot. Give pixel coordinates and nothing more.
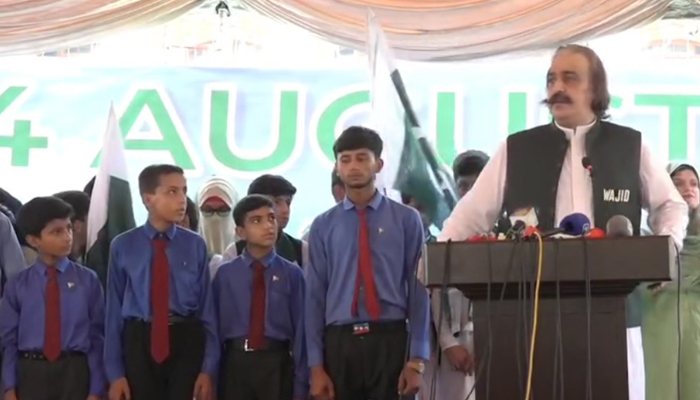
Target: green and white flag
(410, 164)
(111, 209)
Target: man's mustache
(558, 98)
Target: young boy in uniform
(161, 341)
(52, 315)
(259, 297)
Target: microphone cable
(535, 314)
(559, 345)
(589, 358)
(486, 361)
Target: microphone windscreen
(619, 226)
(595, 233)
(530, 230)
(575, 224)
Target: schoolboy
(260, 304)
(52, 315)
(160, 337)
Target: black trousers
(67, 378)
(365, 361)
(256, 375)
(174, 378)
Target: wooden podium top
(614, 264)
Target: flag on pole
(411, 166)
(111, 210)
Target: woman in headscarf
(215, 201)
(671, 312)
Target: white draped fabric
(451, 30)
(35, 26)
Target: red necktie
(365, 276)
(160, 302)
(256, 333)
(52, 328)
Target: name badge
(616, 195)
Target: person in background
(361, 284)
(80, 202)
(448, 375)
(191, 220)
(216, 199)
(466, 167)
(338, 192)
(52, 315)
(661, 331)
(9, 201)
(413, 203)
(11, 256)
(282, 192)
(161, 337)
(260, 306)
(337, 186)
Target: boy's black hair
(248, 204)
(149, 178)
(80, 202)
(272, 185)
(356, 138)
(335, 178)
(471, 162)
(38, 212)
(193, 214)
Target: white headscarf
(218, 231)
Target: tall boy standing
(52, 315)
(364, 304)
(161, 341)
(260, 306)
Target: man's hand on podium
(460, 359)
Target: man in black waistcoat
(577, 163)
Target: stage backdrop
(239, 124)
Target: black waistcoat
(535, 159)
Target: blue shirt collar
(373, 204)
(61, 265)
(267, 260)
(152, 232)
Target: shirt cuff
(115, 372)
(210, 367)
(420, 349)
(315, 358)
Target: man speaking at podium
(578, 163)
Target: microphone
(575, 224)
(595, 233)
(527, 215)
(619, 226)
(586, 162)
(516, 230)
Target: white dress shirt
(477, 212)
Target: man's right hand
(321, 385)
(460, 359)
(11, 395)
(119, 390)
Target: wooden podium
(499, 277)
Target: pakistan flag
(411, 166)
(111, 209)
